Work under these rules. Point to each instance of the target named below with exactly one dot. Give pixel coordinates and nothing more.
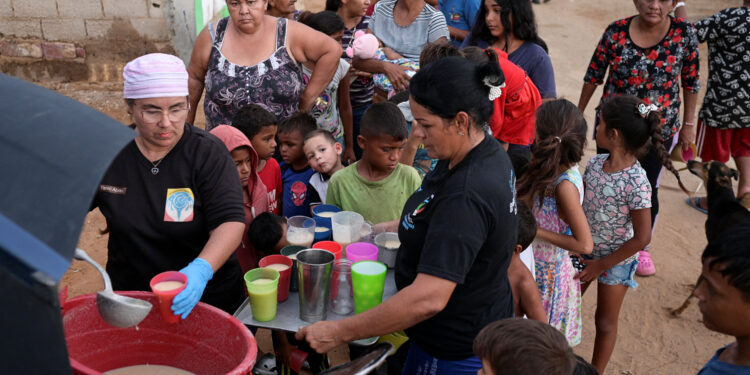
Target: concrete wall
(71, 40)
(74, 40)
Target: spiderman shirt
(296, 195)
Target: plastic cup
(368, 281)
(297, 359)
(322, 229)
(284, 265)
(388, 245)
(323, 214)
(331, 246)
(166, 286)
(347, 227)
(365, 234)
(300, 231)
(360, 251)
(688, 153)
(262, 294)
(291, 253)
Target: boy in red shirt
(259, 126)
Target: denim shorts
(621, 274)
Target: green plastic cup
(368, 281)
(262, 287)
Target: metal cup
(314, 273)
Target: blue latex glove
(198, 273)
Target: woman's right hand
(397, 75)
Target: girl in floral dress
(553, 186)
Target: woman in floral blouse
(648, 55)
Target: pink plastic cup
(164, 286)
(285, 274)
(331, 246)
(360, 251)
(297, 359)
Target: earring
(461, 133)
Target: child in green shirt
(377, 186)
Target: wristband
(688, 123)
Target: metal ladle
(117, 310)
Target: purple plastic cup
(360, 251)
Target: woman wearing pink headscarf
(172, 198)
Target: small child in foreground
(724, 299)
(267, 233)
(323, 154)
(523, 347)
(526, 297)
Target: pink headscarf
(156, 75)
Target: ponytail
(561, 137)
(454, 84)
(657, 142)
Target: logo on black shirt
(113, 189)
(408, 221)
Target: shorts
(620, 274)
(719, 144)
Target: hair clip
(557, 139)
(495, 90)
(645, 109)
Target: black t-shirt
(461, 225)
(161, 222)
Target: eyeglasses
(175, 114)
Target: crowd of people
(466, 153)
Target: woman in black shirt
(457, 230)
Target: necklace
(155, 166)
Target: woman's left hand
(306, 103)
(593, 269)
(322, 336)
(687, 135)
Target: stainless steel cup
(314, 273)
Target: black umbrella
(53, 153)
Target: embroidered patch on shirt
(179, 206)
(113, 189)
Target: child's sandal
(645, 266)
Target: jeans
(418, 362)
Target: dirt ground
(650, 340)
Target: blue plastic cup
(324, 212)
(322, 229)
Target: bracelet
(679, 4)
(688, 123)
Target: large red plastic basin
(209, 341)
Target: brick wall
(79, 39)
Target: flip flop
(694, 202)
